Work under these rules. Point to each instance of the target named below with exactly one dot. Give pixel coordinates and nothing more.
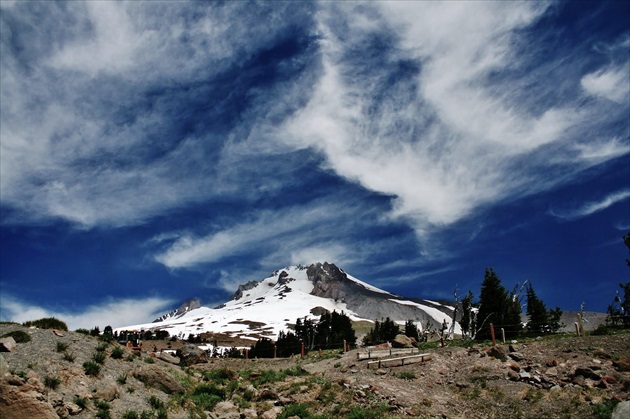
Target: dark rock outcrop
(158, 378)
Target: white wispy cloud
(279, 232)
(591, 207)
(443, 141)
(114, 313)
(610, 83)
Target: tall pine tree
(537, 312)
(498, 307)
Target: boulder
(226, 410)
(190, 355)
(622, 410)
(167, 357)
(517, 356)
(158, 378)
(106, 390)
(7, 344)
(402, 341)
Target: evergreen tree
(411, 330)
(537, 312)
(497, 306)
(554, 320)
(384, 331)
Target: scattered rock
(623, 365)
(513, 375)
(272, 413)
(381, 372)
(517, 356)
(4, 366)
(7, 344)
(552, 363)
(58, 333)
(513, 365)
(524, 375)
(268, 394)
(497, 352)
(552, 372)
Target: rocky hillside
(47, 377)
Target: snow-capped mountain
(264, 308)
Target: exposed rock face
(331, 282)
(184, 308)
(242, 288)
(19, 400)
(156, 377)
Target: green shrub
(205, 401)
(51, 382)
(82, 331)
(161, 413)
(147, 414)
(80, 401)
(69, 356)
(101, 404)
(130, 414)
(91, 368)
(101, 347)
(47, 323)
(406, 375)
(121, 379)
(62, 346)
(299, 409)
(19, 336)
(209, 389)
(103, 414)
(604, 409)
(155, 403)
(149, 360)
(117, 352)
(365, 413)
(98, 357)
(219, 376)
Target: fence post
(503, 335)
(275, 351)
(344, 346)
(246, 353)
(494, 341)
(302, 349)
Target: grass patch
(149, 360)
(98, 357)
(155, 403)
(91, 368)
(69, 356)
(122, 379)
(62, 346)
(130, 414)
(406, 375)
(51, 382)
(219, 376)
(101, 347)
(299, 409)
(80, 401)
(117, 352)
(358, 412)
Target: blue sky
(154, 152)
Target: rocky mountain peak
(184, 308)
